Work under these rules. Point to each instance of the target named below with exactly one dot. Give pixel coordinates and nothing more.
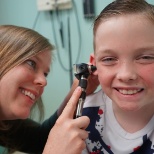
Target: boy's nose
(127, 72)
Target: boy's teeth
(128, 92)
(28, 93)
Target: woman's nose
(127, 72)
(40, 80)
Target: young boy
(122, 113)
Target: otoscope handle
(83, 82)
(83, 85)
(80, 104)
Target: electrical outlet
(46, 5)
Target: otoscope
(82, 72)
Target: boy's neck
(133, 121)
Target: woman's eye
(31, 63)
(45, 74)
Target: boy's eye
(31, 63)
(146, 59)
(109, 60)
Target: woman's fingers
(70, 108)
(82, 122)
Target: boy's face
(124, 57)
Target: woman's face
(23, 85)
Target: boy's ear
(93, 62)
(92, 59)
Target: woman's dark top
(29, 136)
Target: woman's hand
(68, 135)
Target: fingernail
(78, 89)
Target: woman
(25, 58)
